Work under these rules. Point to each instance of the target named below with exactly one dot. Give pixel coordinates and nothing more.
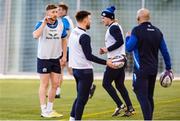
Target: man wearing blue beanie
(115, 48)
(109, 12)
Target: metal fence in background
(18, 49)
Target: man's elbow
(35, 36)
(89, 58)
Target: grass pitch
(19, 101)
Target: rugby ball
(166, 78)
(119, 61)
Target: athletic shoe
(72, 119)
(52, 114)
(129, 112)
(119, 110)
(91, 93)
(58, 96)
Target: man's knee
(55, 84)
(82, 101)
(106, 85)
(120, 86)
(44, 85)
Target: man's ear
(138, 18)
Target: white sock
(71, 119)
(43, 108)
(58, 91)
(49, 107)
(122, 106)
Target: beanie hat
(109, 12)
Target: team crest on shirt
(52, 35)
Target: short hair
(50, 7)
(63, 6)
(80, 15)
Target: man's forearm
(64, 47)
(37, 33)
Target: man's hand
(63, 61)
(110, 64)
(128, 34)
(47, 19)
(172, 74)
(103, 50)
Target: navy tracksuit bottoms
(143, 85)
(118, 76)
(84, 80)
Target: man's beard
(87, 26)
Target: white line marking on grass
(136, 106)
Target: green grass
(19, 101)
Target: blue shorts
(48, 65)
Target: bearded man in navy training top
(80, 60)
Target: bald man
(145, 41)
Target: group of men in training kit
(57, 36)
